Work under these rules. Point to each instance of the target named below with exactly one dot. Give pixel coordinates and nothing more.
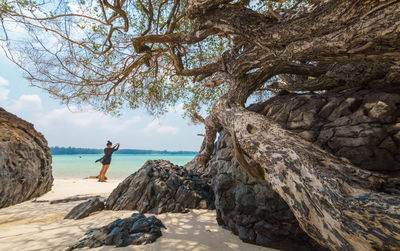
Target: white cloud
(72, 116)
(3, 90)
(26, 103)
(15, 30)
(157, 126)
(114, 124)
(178, 109)
(87, 118)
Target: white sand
(40, 226)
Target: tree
(155, 53)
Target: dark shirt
(107, 154)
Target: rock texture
(359, 125)
(135, 230)
(158, 187)
(249, 207)
(362, 126)
(25, 161)
(84, 209)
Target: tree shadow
(40, 226)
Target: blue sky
(62, 127)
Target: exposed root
(253, 168)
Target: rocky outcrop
(25, 161)
(362, 126)
(84, 209)
(249, 207)
(135, 230)
(159, 187)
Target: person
(106, 159)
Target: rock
(389, 144)
(365, 121)
(362, 126)
(308, 135)
(84, 209)
(355, 125)
(140, 226)
(249, 207)
(159, 187)
(25, 161)
(356, 154)
(382, 112)
(134, 230)
(397, 137)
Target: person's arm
(116, 147)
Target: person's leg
(104, 172)
(101, 173)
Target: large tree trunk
(334, 45)
(339, 205)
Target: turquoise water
(122, 165)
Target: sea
(122, 165)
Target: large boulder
(25, 161)
(362, 126)
(249, 207)
(159, 187)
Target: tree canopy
(110, 54)
(155, 53)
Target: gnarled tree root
(339, 205)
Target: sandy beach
(40, 226)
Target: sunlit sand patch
(40, 226)
(18, 220)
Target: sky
(63, 126)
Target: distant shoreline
(123, 165)
(56, 150)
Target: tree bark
(337, 204)
(207, 147)
(334, 32)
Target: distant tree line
(56, 150)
